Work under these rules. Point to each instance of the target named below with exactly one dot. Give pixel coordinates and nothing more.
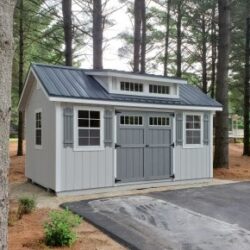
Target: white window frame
(131, 125)
(159, 116)
(36, 145)
(185, 144)
(88, 148)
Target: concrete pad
(143, 222)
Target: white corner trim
(132, 104)
(75, 134)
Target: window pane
(39, 132)
(196, 140)
(83, 123)
(94, 123)
(196, 133)
(189, 118)
(197, 118)
(155, 121)
(140, 120)
(94, 141)
(122, 86)
(122, 119)
(140, 88)
(127, 86)
(159, 121)
(136, 120)
(131, 120)
(83, 114)
(95, 114)
(131, 86)
(83, 133)
(83, 141)
(38, 140)
(127, 120)
(164, 121)
(94, 133)
(197, 125)
(151, 121)
(189, 125)
(189, 140)
(150, 88)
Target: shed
(96, 130)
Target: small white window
(131, 86)
(159, 121)
(88, 128)
(131, 120)
(193, 130)
(158, 89)
(38, 128)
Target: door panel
(144, 152)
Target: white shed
(95, 130)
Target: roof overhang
(135, 76)
(132, 104)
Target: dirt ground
(239, 166)
(27, 233)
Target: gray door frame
(146, 114)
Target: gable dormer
(126, 83)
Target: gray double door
(144, 150)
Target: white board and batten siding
(40, 162)
(197, 162)
(79, 170)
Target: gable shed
(91, 130)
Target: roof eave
(133, 104)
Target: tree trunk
(221, 121)
(6, 56)
(167, 39)
(143, 37)
(67, 27)
(137, 35)
(246, 150)
(179, 39)
(204, 55)
(20, 72)
(97, 34)
(214, 52)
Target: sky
(111, 60)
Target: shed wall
(40, 163)
(83, 169)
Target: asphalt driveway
(216, 217)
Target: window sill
(89, 148)
(193, 146)
(38, 147)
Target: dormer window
(159, 89)
(131, 86)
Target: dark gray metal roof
(70, 82)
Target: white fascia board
(135, 76)
(132, 104)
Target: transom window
(38, 128)
(159, 121)
(131, 86)
(89, 127)
(193, 129)
(158, 89)
(131, 120)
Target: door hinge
(172, 176)
(172, 145)
(117, 112)
(117, 180)
(117, 145)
